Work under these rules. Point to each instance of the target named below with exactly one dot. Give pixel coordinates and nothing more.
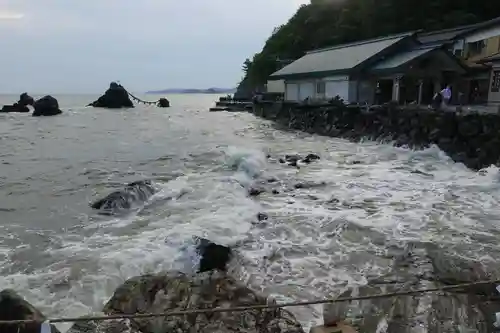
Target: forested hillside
(316, 26)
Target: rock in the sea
(115, 97)
(163, 103)
(119, 201)
(46, 106)
(21, 105)
(212, 256)
(175, 291)
(14, 307)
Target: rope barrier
(251, 307)
(137, 99)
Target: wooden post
(420, 91)
(396, 87)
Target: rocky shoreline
(211, 287)
(471, 138)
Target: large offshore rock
(422, 266)
(14, 307)
(115, 97)
(177, 291)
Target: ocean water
(65, 259)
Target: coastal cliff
(471, 138)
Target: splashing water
(317, 241)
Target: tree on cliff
(316, 26)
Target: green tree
(317, 26)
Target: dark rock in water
(306, 185)
(115, 97)
(262, 217)
(282, 160)
(292, 158)
(14, 307)
(213, 256)
(122, 200)
(21, 105)
(46, 106)
(255, 191)
(275, 191)
(175, 291)
(163, 103)
(311, 157)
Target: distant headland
(193, 91)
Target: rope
(137, 99)
(251, 307)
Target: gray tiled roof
(442, 35)
(339, 58)
(402, 58)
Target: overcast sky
(65, 46)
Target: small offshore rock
(21, 105)
(123, 200)
(262, 217)
(46, 106)
(163, 103)
(213, 256)
(255, 191)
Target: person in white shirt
(446, 93)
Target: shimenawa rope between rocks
(251, 307)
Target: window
(495, 81)
(458, 52)
(320, 87)
(476, 48)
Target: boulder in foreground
(46, 106)
(14, 307)
(177, 291)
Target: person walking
(446, 93)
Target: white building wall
(291, 91)
(337, 86)
(307, 89)
(334, 86)
(276, 86)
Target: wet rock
(163, 103)
(310, 158)
(14, 307)
(21, 105)
(423, 266)
(212, 256)
(262, 217)
(275, 191)
(308, 184)
(472, 139)
(123, 200)
(115, 97)
(176, 291)
(255, 191)
(46, 106)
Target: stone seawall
(472, 139)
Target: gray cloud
(79, 46)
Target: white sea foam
(316, 242)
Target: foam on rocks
(472, 138)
